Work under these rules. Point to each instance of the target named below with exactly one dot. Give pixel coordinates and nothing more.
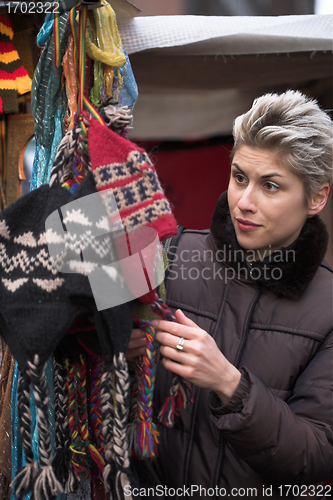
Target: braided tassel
(115, 392)
(162, 310)
(120, 443)
(79, 459)
(46, 486)
(62, 459)
(61, 169)
(143, 435)
(83, 415)
(135, 393)
(25, 478)
(181, 392)
(108, 404)
(117, 119)
(78, 164)
(95, 405)
(81, 158)
(96, 367)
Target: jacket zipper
(237, 361)
(247, 326)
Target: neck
(258, 255)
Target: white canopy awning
(196, 74)
(213, 35)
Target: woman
(253, 303)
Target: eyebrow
(267, 176)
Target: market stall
(193, 75)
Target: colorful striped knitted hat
(14, 78)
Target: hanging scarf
(48, 101)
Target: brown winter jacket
(276, 327)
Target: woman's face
(266, 201)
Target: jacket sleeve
(284, 441)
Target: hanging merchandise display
(36, 299)
(70, 82)
(68, 302)
(48, 99)
(3, 172)
(7, 365)
(19, 457)
(14, 78)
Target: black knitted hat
(38, 305)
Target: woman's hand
(201, 361)
(136, 345)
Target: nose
(247, 202)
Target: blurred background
(187, 102)
(234, 7)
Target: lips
(247, 225)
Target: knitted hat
(38, 305)
(120, 165)
(14, 78)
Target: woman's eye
(270, 186)
(240, 178)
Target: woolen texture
(14, 78)
(119, 164)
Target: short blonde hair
(294, 126)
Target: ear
(318, 200)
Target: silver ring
(179, 346)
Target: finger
(184, 320)
(136, 343)
(174, 328)
(174, 355)
(182, 370)
(167, 326)
(131, 354)
(170, 340)
(137, 333)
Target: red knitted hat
(121, 166)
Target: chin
(247, 244)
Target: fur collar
(288, 271)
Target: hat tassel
(46, 486)
(61, 462)
(107, 419)
(181, 391)
(142, 432)
(95, 406)
(95, 455)
(122, 480)
(115, 412)
(24, 480)
(180, 396)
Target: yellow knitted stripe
(6, 30)
(23, 84)
(9, 57)
(7, 84)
